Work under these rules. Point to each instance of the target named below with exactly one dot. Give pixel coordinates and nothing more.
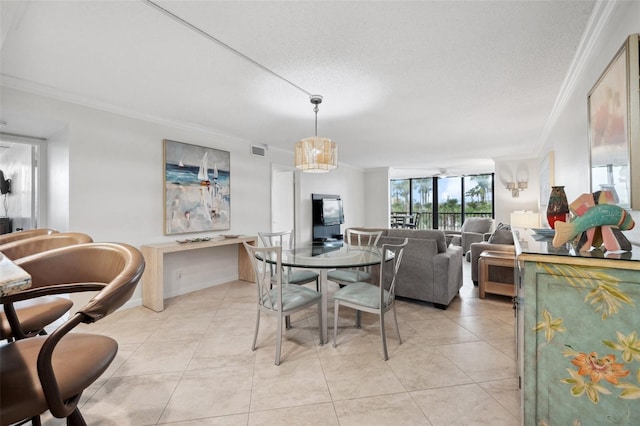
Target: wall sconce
(515, 188)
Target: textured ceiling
(423, 85)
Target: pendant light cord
(315, 109)
(224, 45)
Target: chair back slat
(363, 238)
(283, 239)
(263, 272)
(390, 270)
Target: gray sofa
(430, 271)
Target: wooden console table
(496, 259)
(153, 276)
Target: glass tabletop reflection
(330, 255)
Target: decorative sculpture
(599, 222)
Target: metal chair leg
(395, 317)
(384, 337)
(76, 419)
(335, 322)
(320, 324)
(255, 335)
(279, 341)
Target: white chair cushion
(293, 296)
(300, 277)
(363, 294)
(348, 275)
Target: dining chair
(301, 276)
(284, 239)
(353, 275)
(20, 235)
(51, 372)
(376, 299)
(412, 221)
(279, 299)
(28, 318)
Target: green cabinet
(578, 343)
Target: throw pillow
(502, 226)
(501, 236)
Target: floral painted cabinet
(579, 348)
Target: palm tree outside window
(457, 198)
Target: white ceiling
(423, 85)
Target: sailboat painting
(197, 196)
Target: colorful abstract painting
(197, 196)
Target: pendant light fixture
(316, 154)
(312, 155)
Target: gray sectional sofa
(430, 271)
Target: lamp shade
(316, 155)
(524, 219)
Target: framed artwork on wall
(197, 192)
(614, 127)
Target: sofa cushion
(478, 225)
(426, 234)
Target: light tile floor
(192, 364)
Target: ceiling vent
(258, 151)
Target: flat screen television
(332, 213)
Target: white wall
(282, 199)
(57, 200)
(514, 170)
(106, 179)
(568, 137)
(378, 210)
(345, 181)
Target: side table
(496, 270)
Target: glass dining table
(324, 257)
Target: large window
(400, 195)
(449, 203)
(457, 198)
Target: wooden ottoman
(496, 273)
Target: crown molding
(28, 86)
(598, 20)
(16, 83)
